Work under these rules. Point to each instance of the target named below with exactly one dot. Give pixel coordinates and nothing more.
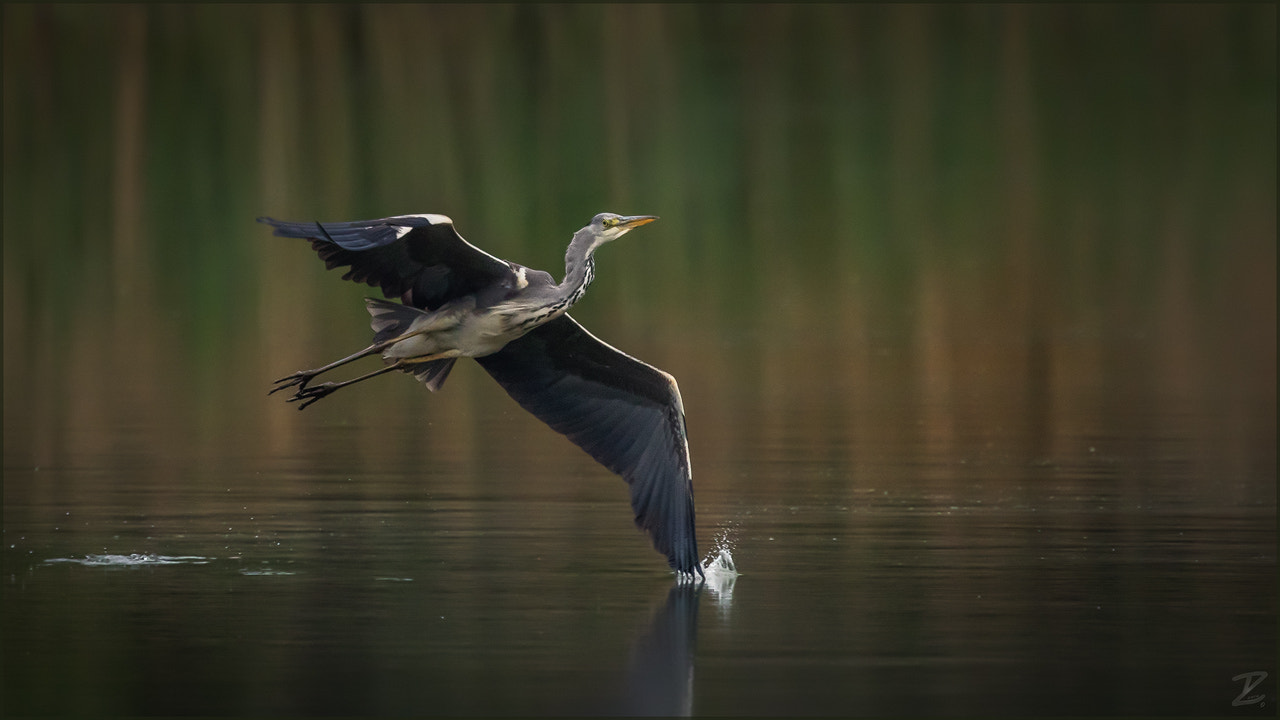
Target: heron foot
(300, 379)
(311, 394)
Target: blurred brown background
(1031, 198)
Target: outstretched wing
(624, 413)
(418, 259)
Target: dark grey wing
(624, 413)
(420, 260)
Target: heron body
(455, 300)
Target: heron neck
(578, 273)
(579, 269)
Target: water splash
(132, 560)
(720, 561)
(720, 569)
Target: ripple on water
(132, 560)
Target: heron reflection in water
(456, 300)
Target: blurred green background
(1029, 198)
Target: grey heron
(456, 300)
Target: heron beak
(635, 221)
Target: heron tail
(433, 374)
(391, 320)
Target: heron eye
(610, 222)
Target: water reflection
(660, 675)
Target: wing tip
(686, 564)
(283, 228)
(681, 548)
(689, 570)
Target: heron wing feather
(624, 413)
(418, 259)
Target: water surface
(973, 573)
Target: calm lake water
(1118, 564)
(973, 311)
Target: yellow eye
(610, 222)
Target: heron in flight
(455, 300)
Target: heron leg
(313, 393)
(302, 377)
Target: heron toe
(300, 378)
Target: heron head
(608, 226)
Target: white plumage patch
(433, 218)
